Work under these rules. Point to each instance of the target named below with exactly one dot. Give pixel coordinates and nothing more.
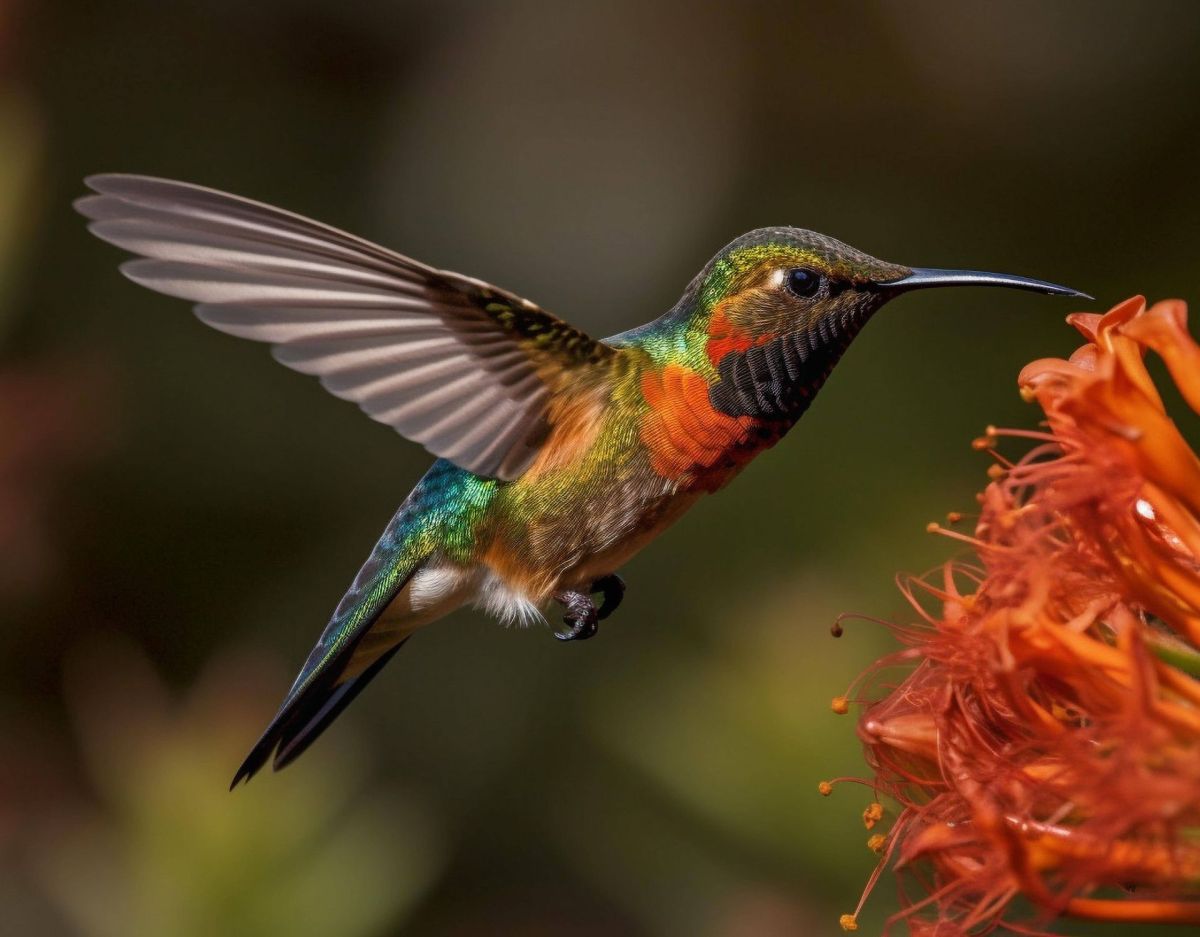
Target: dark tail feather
(301, 721)
(294, 742)
(323, 688)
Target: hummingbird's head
(778, 306)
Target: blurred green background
(178, 515)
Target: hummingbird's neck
(776, 380)
(771, 378)
(678, 336)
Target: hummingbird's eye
(803, 282)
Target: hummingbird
(559, 456)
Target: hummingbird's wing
(462, 367)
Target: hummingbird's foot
(581, 616)
(612, 588)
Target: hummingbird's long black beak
(925, 277)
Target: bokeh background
(178, 515)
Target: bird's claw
(578, 629)
(582, 613)
(612, 590)
(581, 616)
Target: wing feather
(254, 287)
(159, 240)
(285, 326)
(462, 367)
(359, 354)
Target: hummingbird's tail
(403, 585)
(301, 721)
(328, 682)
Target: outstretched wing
(453, 363)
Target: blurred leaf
(166, 849)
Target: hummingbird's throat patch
(687, 439)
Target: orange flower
(1045, 740)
